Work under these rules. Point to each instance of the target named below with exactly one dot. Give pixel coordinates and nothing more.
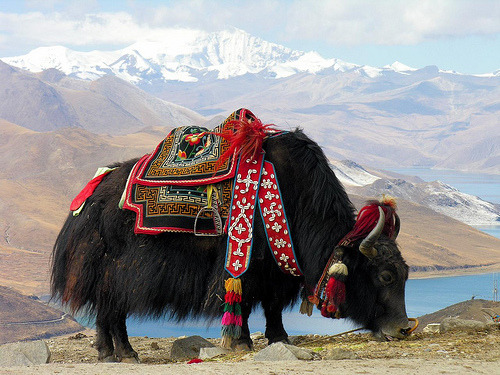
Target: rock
(188, 348)
(155, 346)
(294, 340)
(283, 352)
(257, 336)
(339, 353)
(207, 353)
(78, 336)
(432, 328)
(300, 353)
(24, 353)
(456, 324)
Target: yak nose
(405, 331)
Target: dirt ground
(457, 353)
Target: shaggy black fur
(100, 265)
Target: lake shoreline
(457, 272)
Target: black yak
(102, 267)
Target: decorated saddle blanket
(168, 188)
(189, 156)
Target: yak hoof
(242, 346)
(284, 340)
(108, 359)
(130, 360)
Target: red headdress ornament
(245, 137)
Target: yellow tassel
(233, 285)
(237, 287)
(229, 284)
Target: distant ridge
(191, 55)
(50, 100)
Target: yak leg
(275, 331)
(244, 342)
(123, 350)
(104, 342)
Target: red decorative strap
(276, 223)
(240, 221)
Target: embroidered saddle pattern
(189, 155)
(168, 188)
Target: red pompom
(246, 138)
(335, 291)
(324, 311)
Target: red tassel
(232, 297)
(324, 311)
(335, 291)
(247, 138)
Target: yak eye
(386, 277)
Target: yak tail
(75, 260)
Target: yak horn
(366, 247)
(397, 226)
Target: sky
(459, 35)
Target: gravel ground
(456, 352)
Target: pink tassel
(227, 319)
(238, 320)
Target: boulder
(24, 353)
(283, 352)
(207, 353)
(188, 348)
(456, 324)
(432, 328)
(339, 353)
(257, 336)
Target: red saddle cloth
(168, 188)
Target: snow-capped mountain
(436, 195)
(188, 55)
(391, 116)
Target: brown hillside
(25, 318)
(41, 174)
(473, 309)
(50, 101)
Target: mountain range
(50, 100)
(387, 117)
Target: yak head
(375, 285)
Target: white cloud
(391, 22)
(337, 22)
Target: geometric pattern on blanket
(173, 208)
(168, 188)
(189, 156)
